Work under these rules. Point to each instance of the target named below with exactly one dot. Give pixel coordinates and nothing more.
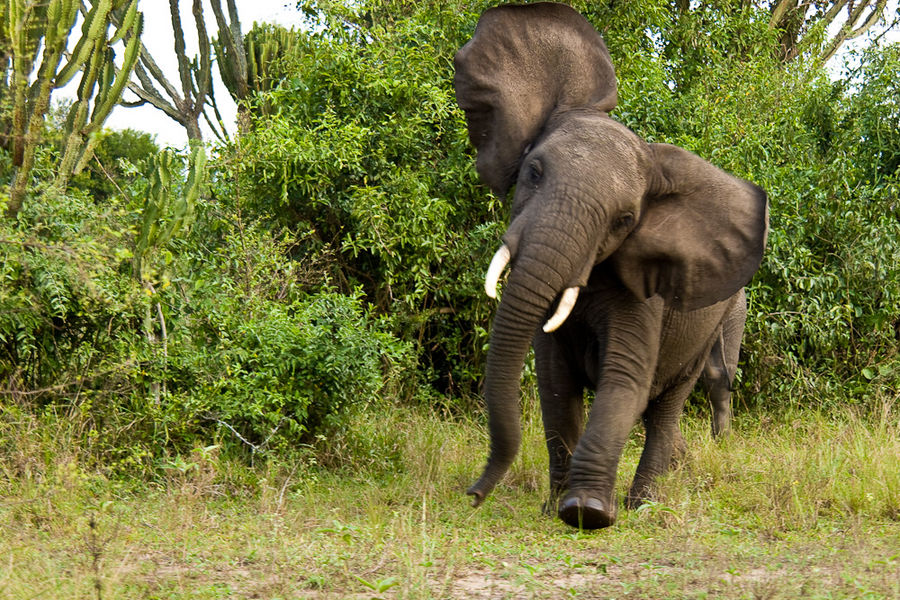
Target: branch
(148, 94)
(780, 10)
(205, 76)
(220, 131)
(184, 67)
(151, 65)
(62, 386)
(850, 30)
(832, 13)
(135, 104)
(230, 35)
(874, 17)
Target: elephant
(625, 258)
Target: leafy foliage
(364, 142)
(119, 159)
(368, 151)
(241, 350)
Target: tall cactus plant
(31, 25)
(260, 67)
(168, 211)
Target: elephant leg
(717, 382)
(562, 408)
(590, 502)
(721, 366)
(664, 441)
(627, 365)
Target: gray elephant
(632, 256)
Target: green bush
(368, 151)
(259, 351)
(260, 367)
(244, 344)
(67, 305)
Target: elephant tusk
(498, 263)
(566, 304)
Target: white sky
(158, 39)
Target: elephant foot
(551, 506)
(721, 430)
(637, 496)
(585, 512)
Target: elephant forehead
(598, 151)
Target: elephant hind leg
(664, 441)
(717, 381)
(721, 366)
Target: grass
(802, 506)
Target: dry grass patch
(803, 507)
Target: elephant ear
(522, 64)
(701, 234)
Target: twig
(266, 441)
(285, 484)
(253, 446)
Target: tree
(797, 20)
(818, 26)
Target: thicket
(333, 258)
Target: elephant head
(536, 83)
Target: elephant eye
(624, 221)
(535, 172)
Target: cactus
(165, 212)
(101, 85)
(27, 26)
(264, 45)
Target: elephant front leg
(562, 410)
(630, 343)
(590, 502)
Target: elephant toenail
(586, 513)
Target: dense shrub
(368, 151)
(67, 305)
(226, 339)
(256, 351)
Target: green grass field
(803, 507)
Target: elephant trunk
(531, 289)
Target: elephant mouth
(566, 302)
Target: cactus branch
(185, 106)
